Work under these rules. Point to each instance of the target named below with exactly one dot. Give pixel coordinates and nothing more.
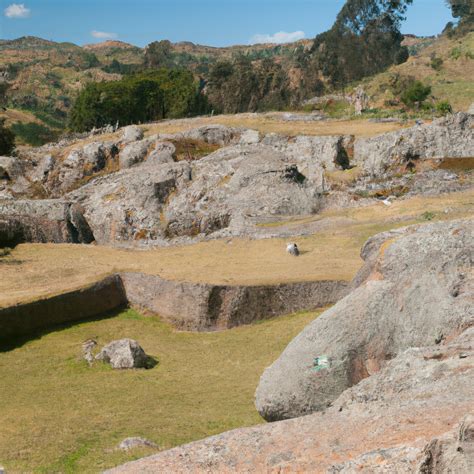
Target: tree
(159, 54)
(365, 39)
(464, 11)
(7, 139)
(137, 98)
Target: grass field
(59, 415)
(38, 270)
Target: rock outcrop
(142, 191)
(42, 221)
(416, 290)
(448, 137)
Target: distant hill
(46, 76)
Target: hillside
(447, 65)
(46, 76)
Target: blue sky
(211, 22)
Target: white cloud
(17, 10)
(280, 37)
(103, 35)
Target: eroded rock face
(239, 182)
(123, 354)
(448, 137)
(411, 416)
(128, 205)
(134, 152)
(47, 220)
(416, 289)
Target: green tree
(144, 97)
(365, 39)
(159, 54)
(463, 10)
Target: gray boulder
(134, 153)
(416, 289)
(10, 168)
(123, 354)
(249, 137)
(132, 133)
(214, 134)
(448, 137)
(48, 220)
(239, 183)
(127, 205)
(43, 167)
(163, 153)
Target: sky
(209, 22)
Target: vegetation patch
(188, 149)
(204, 384)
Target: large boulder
(134, 153)
(10, 168)
(213, 134)
(239, 183)
(123, 354)
(48, 220)
(132, 133)
(330, 152)
(448, 137)
(416, 289)
(412, 416)
(127, 206)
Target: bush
(444, 107)
(415, 94)
(7, 139)
(436, 63)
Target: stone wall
(93, 300)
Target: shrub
(7, 139)
(428, 216)
(415, 94)
(444, 107)
(436, 63)
(455, 53)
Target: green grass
(59, 415)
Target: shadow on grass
(16, 342)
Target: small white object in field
(292, 249)
(387, 202)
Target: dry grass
(274, 123)
(58, 415)
(32, 271)
(264, 123)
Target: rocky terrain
(384, 377)
(152, 191)
(380, 382)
